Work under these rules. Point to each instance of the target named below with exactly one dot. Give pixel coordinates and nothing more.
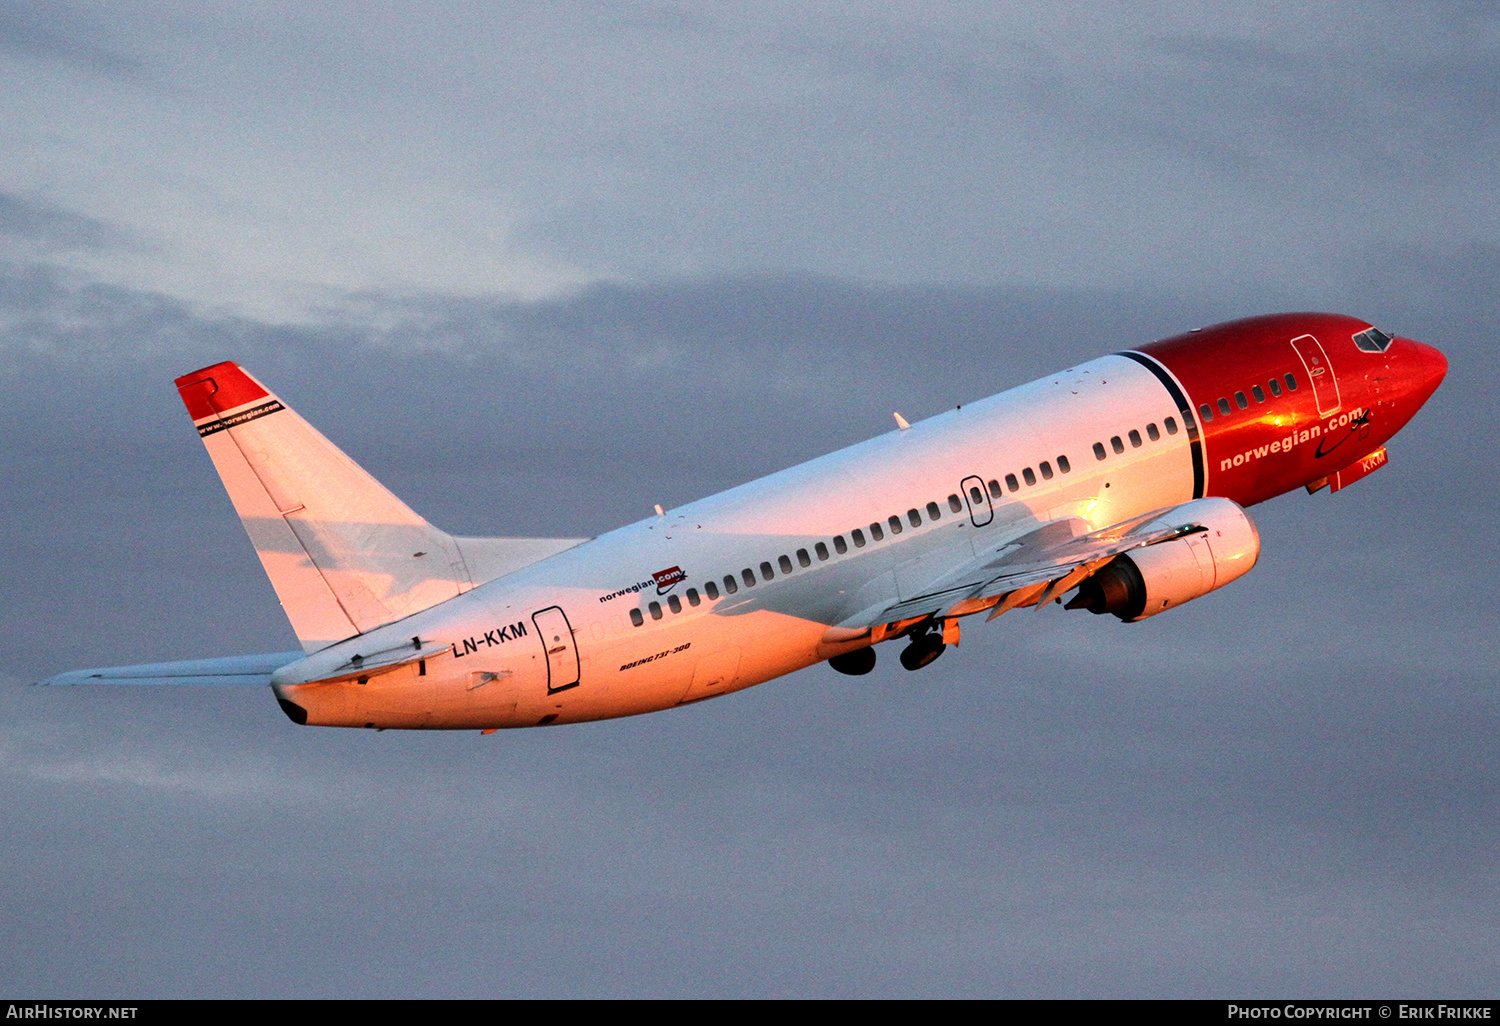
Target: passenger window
(839, 545)
(1098, 450)
(803, 559)
(955, 504)
(1291, 383)
(729, 586)
(932, 512)
(995, 489)
(1224, 406)
(748, 576)
(1117, 445)
(976, 495)
(1275, 387)
(1206, 412)
(712, 590)
(786, 564)
(674, 603)
(1029, 475)
(655, 608)
(914, 518)
(1171, 425)
(858, 538)
(821, 550)
(766, 573)
(1135, 439)
(1062, 464)
(1152, 433)
(895, 523)
(1046, 469)
(1012, 483)
(636, 617)
(1240, 400)
(877, 533)
(693, 599)
(1260, 395)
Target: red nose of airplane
(1424, 368)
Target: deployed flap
(342, 552)
(1038, 565)
(243, 670)
(1037, 558)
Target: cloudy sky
(540, 266)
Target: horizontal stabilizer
(236, 670)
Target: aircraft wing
(239, 670)
(1032, 568)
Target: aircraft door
(1325, 385)
(978, 501)
(562, 651)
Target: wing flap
(1030, 569)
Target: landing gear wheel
(921, 652)
(856, 664)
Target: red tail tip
(217, 389)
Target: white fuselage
(500, 655)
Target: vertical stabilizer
(342, 552)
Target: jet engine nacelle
(1220, 544)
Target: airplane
(1119, 485)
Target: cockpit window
(1373, 340)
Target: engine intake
(1223, 546)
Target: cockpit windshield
(1372, 340)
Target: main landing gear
(924, 648)
(856, 664)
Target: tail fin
(343, 553)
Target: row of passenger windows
(877, 532)
(1027, 474)
(1259, 393)
(804, 558)
(1152, 432)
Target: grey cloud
(935, 146)
(63, 34)
(1385, 109)
(1024, 833)
(52, 227)
(984, 149)
(1286, 787)
(76, 317)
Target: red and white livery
(1115, 486)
